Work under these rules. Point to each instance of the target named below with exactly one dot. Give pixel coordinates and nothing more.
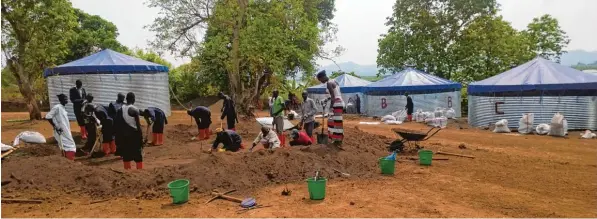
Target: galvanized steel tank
(381, 105)
(427, 92)
(107, 73)
(579, 111)
(151, 90)
(540, 87)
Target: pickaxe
(218, 195)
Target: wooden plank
(10, 200)
(458, 155)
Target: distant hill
(362, 70)
(571, 58)
(574, 57)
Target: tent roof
(538, 74)
(412, 80)
(106, 61)
(348, 84)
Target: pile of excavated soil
(207, 171)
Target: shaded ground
(511, 176)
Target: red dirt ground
(511, 176)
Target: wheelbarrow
(410, 138)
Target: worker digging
(230, 140)
(335, 123)
(202, 116)
(156, 118)
(268, 138)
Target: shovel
(321, 137)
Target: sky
(361, 22)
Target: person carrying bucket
(229, 138)
(268, 138)
(202, 117)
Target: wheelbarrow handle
(432, 134)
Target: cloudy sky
(360, 22)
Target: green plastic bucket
(316, 188)
(179, 191)
(387, 166)
(425, 157)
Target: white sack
(557, 127)
(393, 122)
(525, 124)
(439, 122)
(267, 121)
(29, 137)
(501, 126)
(388, 118)
(588, 135)
(439, 112)
(401, 116)
(450, 113)
(542, 129)
(419, 116)
(6, 147)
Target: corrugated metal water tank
(151, 90)
(385, 105)
(580, 112)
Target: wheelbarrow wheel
(396, 145)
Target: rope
(176, 98)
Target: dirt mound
(206, 171)
(37, 150)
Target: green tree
(248, 45)
(35, 34)
(547, 39)
(423, 33)
(92, 34)
(488, 46)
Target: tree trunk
(234, 76)
(26, 89)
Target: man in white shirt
(58, 118)
(268, 138)
(308, 109)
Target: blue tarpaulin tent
(348, 84)
(536, 75)
(106, 61)
(411, 80)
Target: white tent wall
(151, 90)
(427, 102)
(345, 96)
(580, 112)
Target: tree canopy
(35, 35)
(464, 40)
(247, 45)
